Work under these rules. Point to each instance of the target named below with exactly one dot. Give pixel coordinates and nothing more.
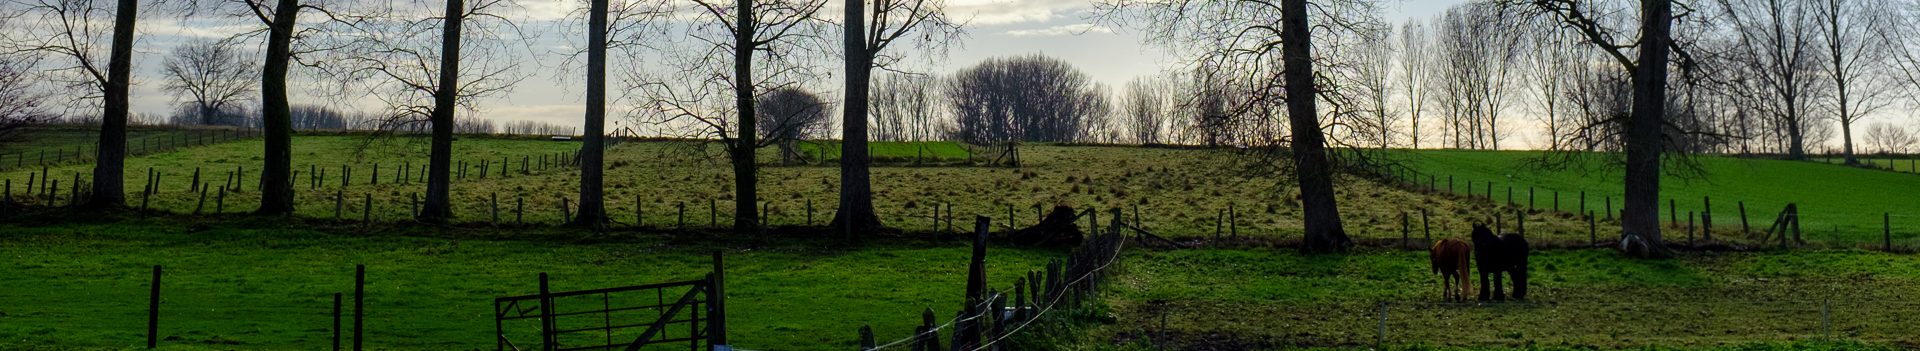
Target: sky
(1058, 28)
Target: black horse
(1500, 254)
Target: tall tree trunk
(1324, 232)
(276, 195)
(592, 198)
(109, 188)
(1796, 136)
(855, 215)
(1641, 208)
(746, 219)
(440, 160)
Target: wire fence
(1619, 325)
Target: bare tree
(1025, 98)
(1777, 42)
(73, 31)
(1552, 60)
(711, 95)
(1645, 127)
(1478, 51)
(1890, 139)
(1274, 62)
(788, 115)
(21, 103)
(210, 74)
(415, 64)
(867, 34)
(1416, 57)
(1856, 58)
(906, 107)
(1147, 106)
(1373, 77)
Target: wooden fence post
(1744, 229)
(1426, 228)
(519, 208)
(546, 315)
(866, 338)
(366, 213)
(1233, 221)
(681, 223)
(968, 333)
(153, 310)
(1673, 213)
(338, 203)
(336, 321)
(359, 303)
(1706, 218)
(1886, 233)
(717, 317)
(713, 213)
(1406, 229)
(493, 203)
(1593, 233)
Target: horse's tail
(1466, 282)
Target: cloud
(1060, 30)
(192, 29)
(1005, 12)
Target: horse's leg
(1445, 286)
(1498, 295)
(1483, 285)
(1520, 281)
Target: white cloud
(1005, 12)
(195, 29)
(1069, 29)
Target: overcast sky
(1058, 28)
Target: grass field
(1897, 164)
(894, 151)
(1581, 299)
(1838, 204)
(1176, 193)
(73, 144)
(431, 289)
(239, 286)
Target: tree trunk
(592, 152)
(1796, 137)
(855, 216)
(1641, 212)
(745, 173)
(276, 195)
(109, 189)
(1323, 229)
(440, 160)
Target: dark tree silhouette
(593, 213)
(209, 74)
(868, 33)
(1239, 41)
(71, 30)
(1645, 142)
(788, 115)
(767, 40)
(1024, 98)
(426, 69)
(20, 104)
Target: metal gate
(683, 315)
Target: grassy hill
(1174, 193)
(1837, 204)
(429, 288)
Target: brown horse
(1450, 260)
